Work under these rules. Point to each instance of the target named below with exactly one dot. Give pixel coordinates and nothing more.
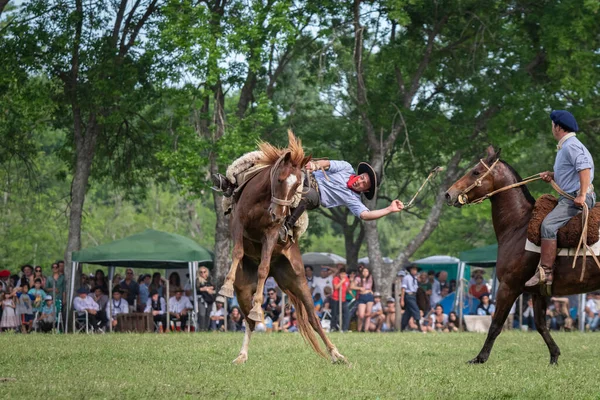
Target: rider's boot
(543, 275)
(287, 228)
(222, 184)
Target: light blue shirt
(491, 309)
(410, 283)
(144, 293)
(334, 192)
(572, 158)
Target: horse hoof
(338, 358)
(476, 360)
(554, 360)
(241, 359)
(255, 316)
(227, 291)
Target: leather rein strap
(281, 202)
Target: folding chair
(80, 322)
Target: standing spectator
(341, 283)
(217, 316)
(37, 274)
(157, 284)
(377, 318)
(174, 283)
(408, 298)
(426, 287)
(475, 272)
(130, 288)
(100, 280)
(591, 312)
(390, 315)
(179, 306)
(116, 281)
(61, 267)
(157, 307)
(27, 275)
(478, 288)
(99, 297)
(38, 296)
(9, 320)
(308, 271)
(439, 320)
(436, 289)
(351, 294)
(116, 306)
(55, 285)
(83, 303)
(25, 306)
(48, 317)
(236, 321)
(85, 282)
(206, 295)
(5, 285)
(364, 285)
(325, 279)
(272, 305)
(485, 307)
(453, 322)
(528, 315)
(452, 286)
(144, 285)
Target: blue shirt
(334, 192)
(572, 158)
(410, 283)
(144, 293)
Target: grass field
(282, 366)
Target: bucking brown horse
(257, 215)
(511, 212)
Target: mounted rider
(573, 173)
(336, 185)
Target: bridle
(463, 198)
(275, 200)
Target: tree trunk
(353, 245)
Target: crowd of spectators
(344, 301)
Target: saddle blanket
(564, 252)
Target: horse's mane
(526, 192)
(273, 153)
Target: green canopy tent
(148, 249)
(484, 257)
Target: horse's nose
(272, 213)
(448, 198)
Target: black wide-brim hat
(411, 266)
(373, 176)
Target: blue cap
(83, 290)
(564, 118)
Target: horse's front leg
(506, 298)
(268, 244)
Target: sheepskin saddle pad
(569, 235)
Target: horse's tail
(306, 330)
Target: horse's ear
(492, 154)
(287, 157)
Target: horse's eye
(475, 173)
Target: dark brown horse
(511, 212)
(255, 221)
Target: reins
(281, 202)
(582, 245)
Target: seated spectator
(157, 307)
(116, 281)
(485, 307)
(99, 297)
(157, 284)
(272, 305)
(390, 314)
(376, 316)
(439, 320)
(9, 320)
(318, 305)
(116, 306)
(236, 320)
(217, 316)
(83, 302)
(478, 288)
(558, 314)
(144, 285)
(38, 295)
(130, 288)
(100, 279)
(453, 322)
(452, 286)
(25, 306)
(174, 283)
(179, 306)
(48, 316)
(445, 291)
(293, 322)
(528, 316)
(286, 320)
(326, 314)
(591, 312)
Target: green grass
(282, 366)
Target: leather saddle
(568, 236)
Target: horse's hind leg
(245, 285)
(269, 241)
(540, 303)
(292, 279)
(237, 233)
(506, 298)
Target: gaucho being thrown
(338, 186)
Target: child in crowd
(9, 316)
(452, 322)
(293, 322)
(318, 305)
(286, 322)
(48, 316)
(25, 306)
(38, 296)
